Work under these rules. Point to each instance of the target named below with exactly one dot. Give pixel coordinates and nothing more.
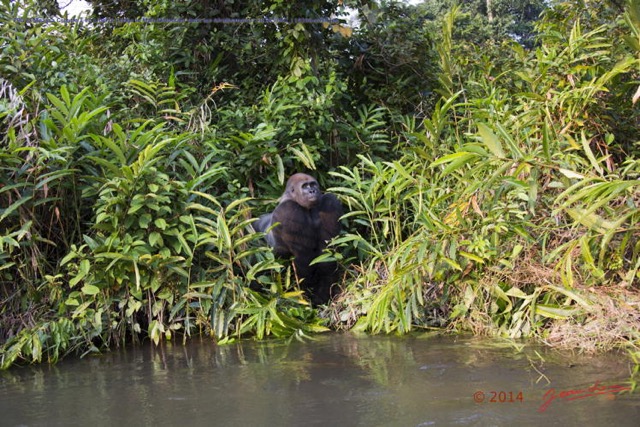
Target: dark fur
(306, 220)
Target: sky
(73, 7)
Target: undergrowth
(509, 207)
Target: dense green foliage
(487, 21)
(490, 185)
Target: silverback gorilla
(306, 220)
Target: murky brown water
(336, 380)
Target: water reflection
(338, 379)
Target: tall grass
(510, 210)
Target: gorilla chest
(310, 224)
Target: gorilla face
(304, 190)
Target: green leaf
(14, 206)
(571, 174)
(490, 140)
(58, 103)
(574, 295)
(517, 292)
(155, 239)
(455, 160)
(555, 312)
(546, 138)
(144, 220)
(90, 290)
(589, 153)
(471, 256)
(449, 158)
(591, 220)
(68, 257)
(85, 265)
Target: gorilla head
(302, 189)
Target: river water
(337, 379)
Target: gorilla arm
(330, 210)
(262, 224)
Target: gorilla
(306, 219)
